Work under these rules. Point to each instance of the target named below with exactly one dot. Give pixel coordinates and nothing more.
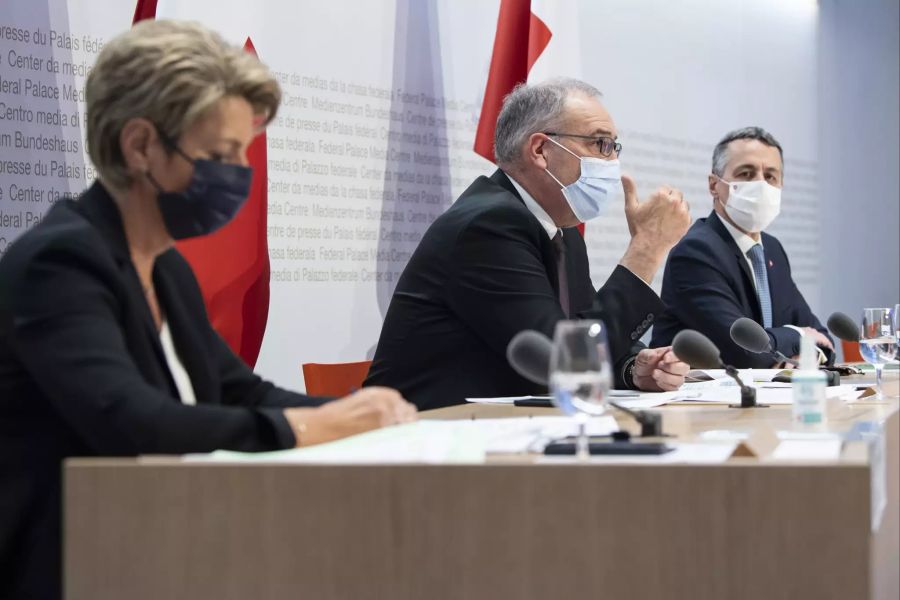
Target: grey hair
(720, 154)
(530, 109)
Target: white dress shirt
(536, 209)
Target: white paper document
(516, 435)
(808, 449)
(419, 442)
(766, 393)
(428, 441)
(761, 375)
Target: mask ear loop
(558, 182)
(563, 147)
(171, 145)
(727, 184)
(153, 181)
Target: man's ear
(136, 141)
(534, 149)
(712, 180)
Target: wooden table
(510, 528)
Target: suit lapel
(100, 209)
(548, 254)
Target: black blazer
(485, 270)
(82, 373)
(707, 285)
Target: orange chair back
(336, 379)
(851, 352)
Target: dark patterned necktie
(559, 246)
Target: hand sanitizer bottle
(808, 384)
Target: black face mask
(216, 193)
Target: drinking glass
(580, 374)
(877, 342)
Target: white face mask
(752, 205)
(590, 195)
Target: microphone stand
(748, 394)
(651, 423)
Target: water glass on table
(580, 374)
(878, 341)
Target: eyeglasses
(606, 145)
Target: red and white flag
(232, 264)
(535, 40)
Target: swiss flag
(523, 52)
(520, 39)
(232, 264)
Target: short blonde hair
(171, 73)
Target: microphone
(750, 335)
(698, 351)
(529, 354)
(843, 327)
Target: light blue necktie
(758, 260)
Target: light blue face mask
(591, 194)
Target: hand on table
(659, 370)
(369, 408)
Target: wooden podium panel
(740, 530)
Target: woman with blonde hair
(105, 346)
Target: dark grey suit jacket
(484, 271)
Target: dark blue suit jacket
(708, 284)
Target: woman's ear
(136, 141)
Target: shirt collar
(536, 209)
(743, 241)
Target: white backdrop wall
(381, 104)
(859, 140)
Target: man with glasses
(507, 257)
(727, 267)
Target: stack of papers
(428, 441)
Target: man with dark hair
(727, 267)
(507, 257)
